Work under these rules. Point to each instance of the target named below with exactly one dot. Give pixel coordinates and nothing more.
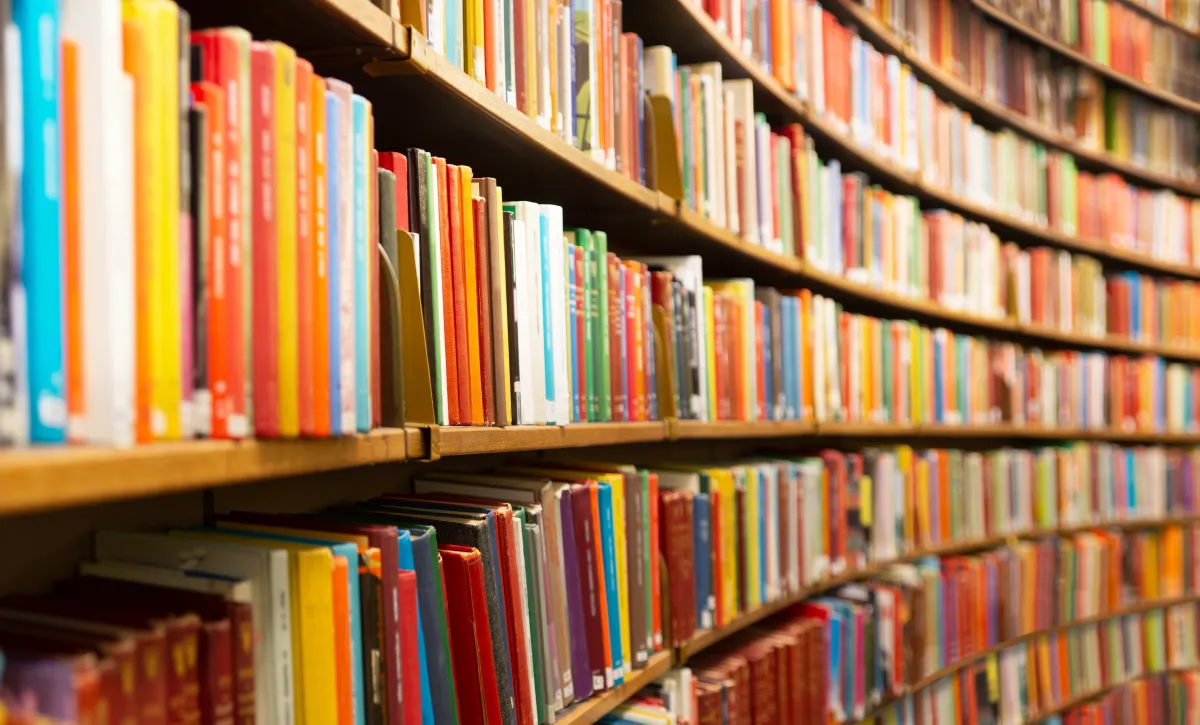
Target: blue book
(362, 267)
(939, 363)
(407, 562)
(547, 314)
(760, 482)
(40, 245)
(349, 552)
(333, 220)
(702, 543)
(574, 333)
(608, 545)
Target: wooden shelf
(60, 477)
(694, 37)
(994, 112)
(46, 478)
(707, 638)
(594, 708)
(1161, 19)
(1066, 51)
(1089, 696)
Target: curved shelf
(966, 96)
(1066, 51)
(1159, 18)
(709, 637)
(1086, 697)
(694, 37)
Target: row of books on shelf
(772, 188)
(1025, 77)
(853, 669)
(1175, 699)
(1116, 36)
(506, 596)
(1184, 13)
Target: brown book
(151, 643)
(710, 702)
(678, 549)
(764, 709)
(635, 514)
(496, 265)
(789, 670)
(225, 658)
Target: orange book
(782, 42)
(448, 326)
(321, 406)
(594, 493)
(1064, 667)
(341, 640)
(73, 284)
(306, 256)
(212, 98)
(491, 63)
(470, 287)
(943, 461)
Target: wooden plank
(596, 707)
(45, 478)
(312, 27)
(1158, 94)
(693, 36)
(988, 110)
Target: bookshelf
(392, 64)
(47, 479)
(1077, 57)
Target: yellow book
(710, 353)
(499, 266)
(473, 55)
(722, 480)
(314, 658)
(923, 520)
(470, 279)
(754, 552)
(157, 122)
(285, 220)
(904, 463)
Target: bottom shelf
(596, 707)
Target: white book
(345, 250)
(232, 589)
(560, 332)
(742, 92)
(442, 393)
(106, 228)
(265, 569)
(535, 314)
(770, 474)
(523, 386)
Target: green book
(588, 245)
(885, 346)
(603, 378)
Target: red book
(222, 52)
(677, 547)
(630, 353)
(306, 246)
(211, 96)
(398, 165)
(448, 321)
(458, 281)
(484, 293)
(264, 263)
(475, 675)
(376, 388)
(580, 332)
(615, 324)
(218, 656)
(410, 659)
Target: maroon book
(585, 547)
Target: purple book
(45, 686)
(585, 544)
(581, 673)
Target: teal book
(361, 111)
(349, 552)
(407, 562)
(609, 547)
(603, 377)
(547, 316)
